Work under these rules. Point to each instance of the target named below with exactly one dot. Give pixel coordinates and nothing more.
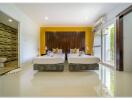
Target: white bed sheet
(83, 59)
(56, 59)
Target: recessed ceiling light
(46, 18)
(10, 20)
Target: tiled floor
(29, 83)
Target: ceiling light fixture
(10, 20)
(46, 18)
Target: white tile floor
(30, 83)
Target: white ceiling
(5, 20)
(66, 14)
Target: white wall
(127, 41)
(111, 16)
(28, 33)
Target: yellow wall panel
(42, 41)
(88, 36)
(89, 41)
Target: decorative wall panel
(8, 42)
(65, 40)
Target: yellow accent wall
(42, 40)
(88, 36)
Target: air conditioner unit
(100, 21)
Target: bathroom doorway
(9, 57)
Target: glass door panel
(109, 45)
(97, 44)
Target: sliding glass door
(97, 44)
(108, 39)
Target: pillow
(77, 50)
(71, 50)
(54, 50)
(51, 54)
(80, 53)
(48, 53)
(59, 51)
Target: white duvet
(83, 59)
(55, 59)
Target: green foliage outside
(112, 31)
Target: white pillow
(60, 51)
(71, 50)
(77, 51)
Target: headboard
(65, 40)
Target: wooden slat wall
(65, 40)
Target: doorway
(123, 40)
(9, 57)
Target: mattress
(55, 59)
(83, 59)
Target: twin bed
(53, 62)
(56, 62)
(82, 62)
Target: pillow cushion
(71, 50)
(54, 50)
(59, 51)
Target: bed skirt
(79, 67)
(49, 67)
